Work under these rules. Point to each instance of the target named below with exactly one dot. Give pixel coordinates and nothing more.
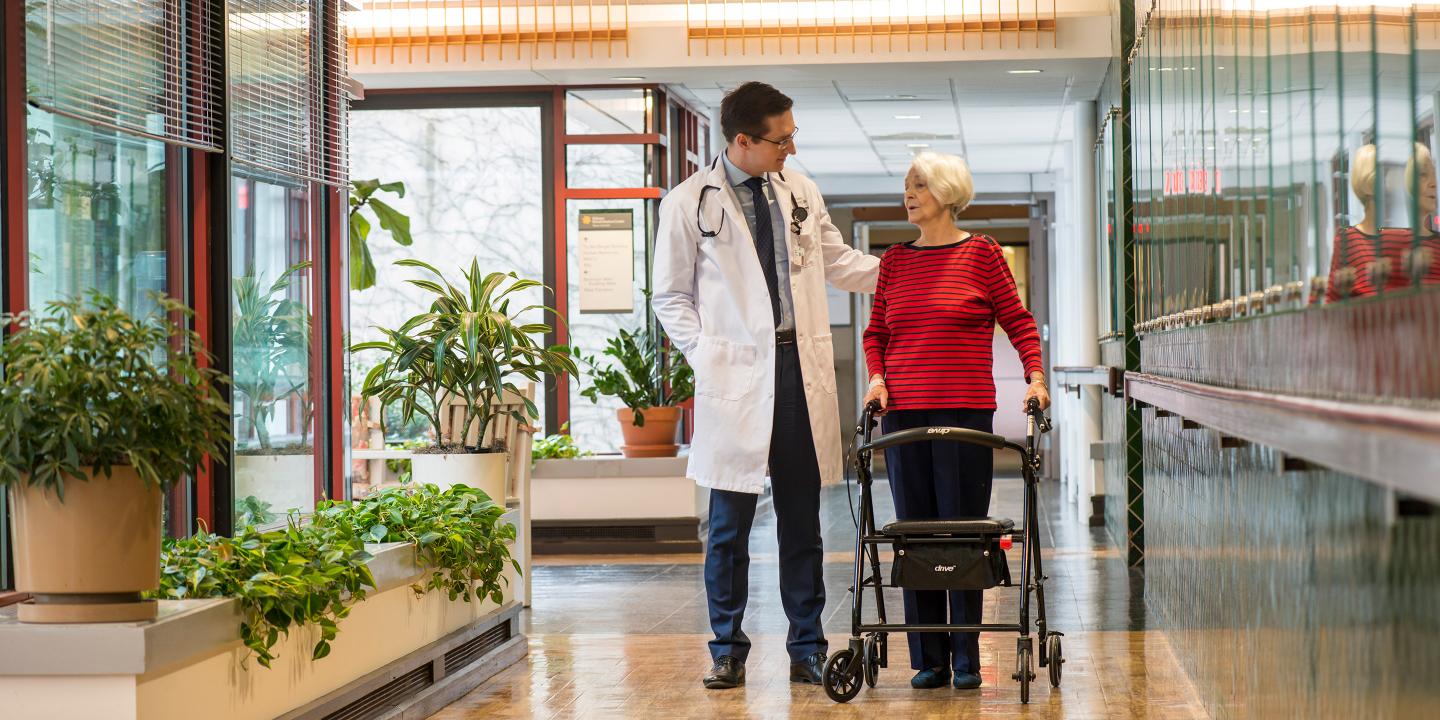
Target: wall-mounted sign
(607, 261)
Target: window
(96, 213)
(594, 425)
(273, 401)
(474, 189)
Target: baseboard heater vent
(578, 533)
(427, 679)
(637, 535)
(476, 647)
(383, 699)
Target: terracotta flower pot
(89, 558)
(656, 438)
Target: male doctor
(742, 256)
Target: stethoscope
(798, 213)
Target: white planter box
(190, 657)
(614, 488)
(485, 471)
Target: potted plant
(452, 363)
(101, 412)
(652, 383)
(272, 366)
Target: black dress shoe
(808, 670)
(727, 672)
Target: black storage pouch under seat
(921, 565)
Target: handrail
(1394, 446)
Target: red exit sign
(1195, 181)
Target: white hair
(1420, 165)
(1362, 172)
(948, 178)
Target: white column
(1085, 346)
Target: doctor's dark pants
(795, 484)
(941, 480)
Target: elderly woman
(928, 349)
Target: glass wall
(272, 303)
(96, 216)
(1283, 158)
(474, 189)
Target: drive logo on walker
(937, 431)
(944, 568)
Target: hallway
(632, 644)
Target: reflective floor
(625, 636)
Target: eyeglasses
(784, 143)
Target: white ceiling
(1001, 122)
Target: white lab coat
(710, 295)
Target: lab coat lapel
(733, 216)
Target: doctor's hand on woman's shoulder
(1038, 391)
(877, 394)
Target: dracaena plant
(88, 387)
(646, 376)
(271, 339)
(363, 203)
(471, 346)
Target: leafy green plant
(362, 197)
(456, 531)
(251, 511)
(283, 579)
(470, 345)
(558, 446)
(88, 386)
(646, 376)
(271, 356)
(313, 574)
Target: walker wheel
(842, 683)
(1056, 658)
(872, 660)
(1023, 673)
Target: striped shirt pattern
(932, 325)
(1352, 271)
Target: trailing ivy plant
(646, 376)
(251, 510)
(312, 574)
(558, 446)
(283, 579)
(457, 531)
(88, 387)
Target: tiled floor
(624, 637)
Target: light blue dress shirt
(743, 196)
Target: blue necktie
(765, 242)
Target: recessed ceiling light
(907, 117)
(1025, 72)
(917, 145)
(628, 78)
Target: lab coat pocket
(822, 348)
(725, 370)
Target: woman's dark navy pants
(941, 480)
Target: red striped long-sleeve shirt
(932, 325)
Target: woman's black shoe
(726, 673)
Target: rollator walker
(944, 554)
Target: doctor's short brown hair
(747, 108)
